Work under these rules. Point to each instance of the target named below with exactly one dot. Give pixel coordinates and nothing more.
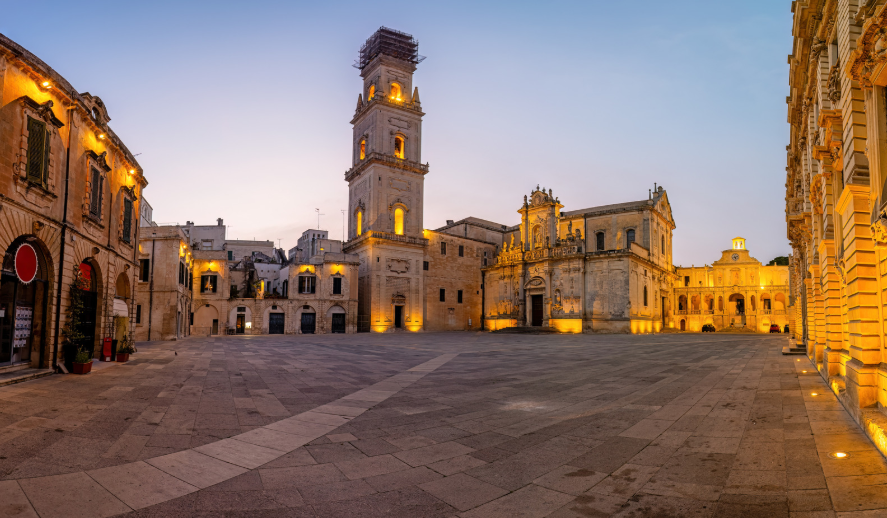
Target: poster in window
(23, 317)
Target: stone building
(601, 269)
(318, 296)
(386, 186)
(71, 192)
(836, 192)
(165, 284)
(735, 291)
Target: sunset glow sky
(241, 110)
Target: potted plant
(74, 346)
(124, 349)
(82, 362)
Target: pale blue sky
(241, 110)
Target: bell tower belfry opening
(386, 185)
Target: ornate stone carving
(879, 230)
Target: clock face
(735, 257)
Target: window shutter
(213, 281)
(127, 219)
(95, 194)
(36, 149)
(45, 178)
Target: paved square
(458, 424)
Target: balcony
(391, 161)
(404, 105)
(376, 234)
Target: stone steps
(20, 375)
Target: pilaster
(860, 267)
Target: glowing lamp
(838, 455)
(101, 136)
(132, 171)
(249, 325)
(46, 84)
(814, 394)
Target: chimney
(449, 222)
(220, 221)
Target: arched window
(371, 92)
(645, 296)
(359, 222)
(398, 221)
(395, 92)
(629, 238)
(363, 148)
(600, 241)
(663, 244)
(398, 147)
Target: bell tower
(386, 184)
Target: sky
(241, 110)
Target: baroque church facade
(601, 269)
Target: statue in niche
(547, 242)
(578, 235)
(570, 227)
(512, 241)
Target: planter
(82, 368)
(122, 357)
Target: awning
(120, 308)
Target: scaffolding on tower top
(392, 43)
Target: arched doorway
(24, 301)
(206, 321)
(683, 325)
(336, 316)
(307, 320)
(89, 321)
(736, 304)
(122, 299)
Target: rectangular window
(181, 274)
(600, 241)
(230, 255)
(687, 280)
(138, 314)
(95, 194)
(461, 251)
(443, 295)
(425, 265)
(127, 220)
(337, 285)
(307, 284)
(208, 283)
(206, 245)
(38, 151)
(459, 296)
(144, 269)
(443, 249)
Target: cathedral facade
(598, 269)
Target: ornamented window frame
(45, 189)
(127, 194)
(98, 163)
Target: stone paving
(439, 425)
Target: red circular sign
(26, 263)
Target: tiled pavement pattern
(512, 426)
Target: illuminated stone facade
(735, 291)
(835, 198)
(70, 189)
(601, 269)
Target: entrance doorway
(215, 328)
(683, 325)
(338, 325)
(89, 296)
(536, 301)
(275, 323)
(398, 317)
(309, 323)
(23, 307)
(241, 324)
(662, 311)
